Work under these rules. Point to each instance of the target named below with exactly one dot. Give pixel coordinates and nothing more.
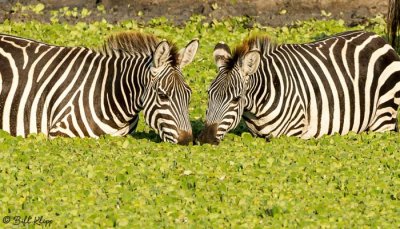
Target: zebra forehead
(138, 43)
(227, 82)
(260, 42)
(227, 76)
(174, 81)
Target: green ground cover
(347, 181)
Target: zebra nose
(185, 137)
(209, 135)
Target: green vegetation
(347, 181)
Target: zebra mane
(137, 43)
(262, 43)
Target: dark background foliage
(265, 12)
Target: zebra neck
(274, 104)
(125, 80)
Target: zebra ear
(186, 55)
(161, 54)
(250, 62)
(222, 53)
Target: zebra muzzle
(185, 137)
(209, 135)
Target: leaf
(38, 8)
(246, 137)
(125, 144)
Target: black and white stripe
(76, 91)
(348, 82)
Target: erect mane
(137, 43)
(261, 43)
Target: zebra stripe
(76, 91)
(347, 82)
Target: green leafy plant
(37, 9)
(347, 181)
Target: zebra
(346, 82)
(82, 92)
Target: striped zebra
(81, 92)
(347, 82)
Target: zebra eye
(236, 99)
(162, 95)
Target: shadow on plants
(151, 135)
(197, 127)
(240, 129)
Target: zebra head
(227, 93)
(166, 96)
